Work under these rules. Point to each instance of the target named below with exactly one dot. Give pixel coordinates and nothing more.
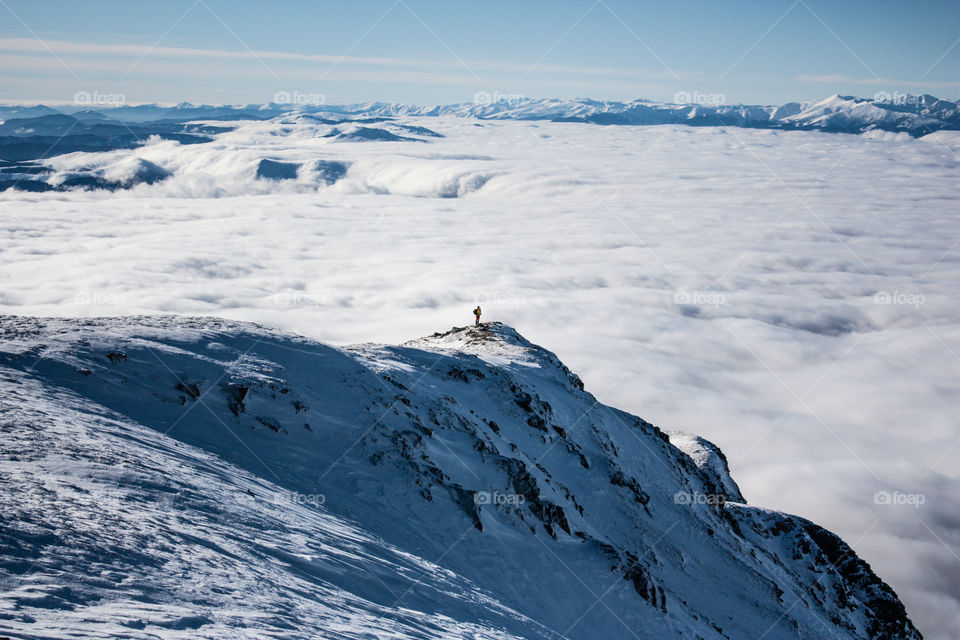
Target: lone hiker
(476, 315)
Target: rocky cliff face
(464, 484)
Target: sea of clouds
(792, 296)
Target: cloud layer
(791, 296)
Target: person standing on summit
(476, 314)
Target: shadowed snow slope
(173, 477)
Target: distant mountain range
(916, 115)
(32, 137)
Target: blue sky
(423, 52)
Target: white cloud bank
(791, 296)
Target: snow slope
(175, 477)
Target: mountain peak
(475, 335)
(502, 345)
(453, 483)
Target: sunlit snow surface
(793, 297)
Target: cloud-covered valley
(792, 296)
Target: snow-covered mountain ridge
(914, 114)
(844, 114)
(193, 477)
(380, 148)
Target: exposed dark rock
(644, 585)
(537, 423)
(619, 479)
(270, 423)
(466, 500)
(191, 389)
(889, 620)
(395, 383)
(236, 395)
(523, 400)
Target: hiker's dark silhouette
(476, 314)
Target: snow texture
(191, 477)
